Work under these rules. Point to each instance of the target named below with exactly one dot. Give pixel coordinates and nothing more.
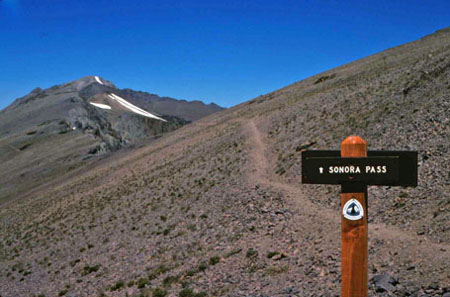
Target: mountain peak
(83, 82)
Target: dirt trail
(261, 173)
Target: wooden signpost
(354, 168)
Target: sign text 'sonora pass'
(379, 168)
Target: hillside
(216, 208)
(62, 129)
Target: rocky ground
(216, 208)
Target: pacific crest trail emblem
(353, 210)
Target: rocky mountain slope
(216, 208)
(51, 132)
(188, 110)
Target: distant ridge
(56, 129)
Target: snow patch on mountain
(134, 108)
(98, 80)
(103, 106)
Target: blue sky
(225, 52)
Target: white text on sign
(355, 169)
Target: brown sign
(354, 168)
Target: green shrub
(187, 292)
(271, 254)
(142, 282)
(74, 262)
(117, 286)
(158, 271)
(191, 272)
(168, 281)
(252, 253)
(203, 266)
(159, 292)
(214, 260)
(89, 269)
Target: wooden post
(354, 249)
